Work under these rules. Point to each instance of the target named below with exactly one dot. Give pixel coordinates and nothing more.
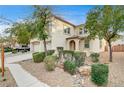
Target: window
(66, 30)
(86, 45)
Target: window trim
(67, 30)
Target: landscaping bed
(116, 70)
(58, 77)
(62, 78)
(9, 80)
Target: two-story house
(69, 36)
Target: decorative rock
(85, 70)
(82, 82)
(60, 65)
(74, 76)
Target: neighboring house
(69, 36)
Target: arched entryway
(72, 45)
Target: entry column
(77, 45)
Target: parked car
(22, 48)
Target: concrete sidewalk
(23, 78)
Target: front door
(72, 45)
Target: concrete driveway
(17, 58)
(12, 58)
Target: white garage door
(36, 47)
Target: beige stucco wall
(58, 35)
(58, 39)
(102, 48)
(93, 46)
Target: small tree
(106, 22)
(23, 37)
(20, 32)
(42, 18)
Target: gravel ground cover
(9, 80)
(61, 78)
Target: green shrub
(95, 57)
(50, 52)
(70, 67)
(50, 62)
(7, 49)
(79, 58)
(38, 57)
(99, 74)
(68, 52)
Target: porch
(77, 43)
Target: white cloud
(2, 29)
(20, 20)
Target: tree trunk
(2, 60)
(45, 48)
(110, 51)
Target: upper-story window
(66, 30)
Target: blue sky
(74, 14)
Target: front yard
(116, 74)
(116, 70)
(52, 78)
(61, 78)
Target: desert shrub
(50, 52)
(95, 57)
(7, 49)
(50, 62)
(99, 74)
(38, 57)
(79, 58)
(70, 67)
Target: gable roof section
(61, 19)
